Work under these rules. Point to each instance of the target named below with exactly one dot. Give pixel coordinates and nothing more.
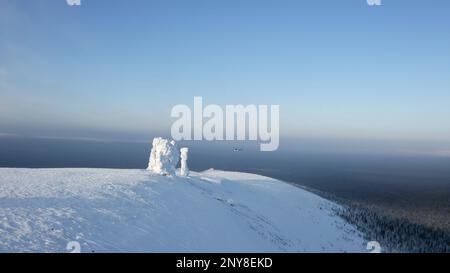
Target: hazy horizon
(410, 185)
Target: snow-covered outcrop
(184, 170)
(107, 210)
(164, 156)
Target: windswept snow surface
(107, 210)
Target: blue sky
(338, 69)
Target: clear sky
(338, 69)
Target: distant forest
(395, 234)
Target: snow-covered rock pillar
(164, 156)
(184, 157)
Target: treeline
(395, 234)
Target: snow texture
(110, 210)
(164, 156)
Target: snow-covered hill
(107, 210)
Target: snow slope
(107, 210)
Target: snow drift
(106, 210)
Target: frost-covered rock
(163, 157)
(184, 157)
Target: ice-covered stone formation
(163, 157)
(184, 157)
